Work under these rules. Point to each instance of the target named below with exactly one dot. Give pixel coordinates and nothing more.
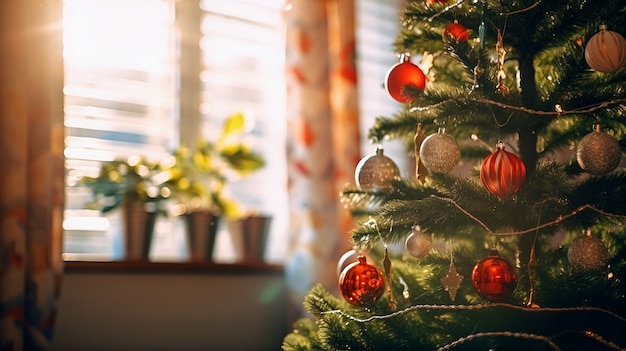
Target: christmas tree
(512, 228)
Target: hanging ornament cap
(349, 257)
(376, 172)
(598, 153)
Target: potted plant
(199, 177)
(132, 186)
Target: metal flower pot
(138, 224)
(249, 236)
(201, 233)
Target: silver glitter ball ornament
(439, 152)
(376, 172)
(417, 243)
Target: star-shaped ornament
(452, 281)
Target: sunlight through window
(123, 85)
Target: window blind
(119, 101)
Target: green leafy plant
(195, 178)
(121, 181)
(198, 177)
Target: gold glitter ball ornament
(439, 152)
(598, 153)
(587, 254)
(376, 172)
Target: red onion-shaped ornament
(502, 173)
(456, 31)
(606, 51)
(401, 74)
(361, 283)
(493, 278)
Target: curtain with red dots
(323, 143)
(31, 171)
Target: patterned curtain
(31, 171)
(323, 145)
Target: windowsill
(142, 267)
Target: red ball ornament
(401, 74)
(493, 278)
(456, 31)
(606, 51)
(361, 283)
(502, 173)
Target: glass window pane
(119, 101)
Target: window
(133, 71)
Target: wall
(171, 311)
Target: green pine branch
(553, 101)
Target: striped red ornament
(606, 51)
(502, 173)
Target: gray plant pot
(201, 233)
(249, 236)
(138, 224)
